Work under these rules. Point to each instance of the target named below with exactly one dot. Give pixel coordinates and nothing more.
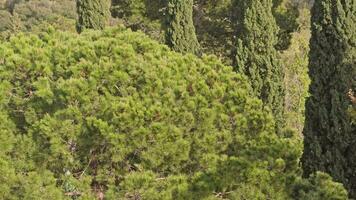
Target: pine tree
(180, 30)
(136, 118)
(92, 14)
(329, 135)
(256, 54)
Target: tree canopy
(114, 112)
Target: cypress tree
(329, 134)
(92, 14)
(180, 30)
(256, 54)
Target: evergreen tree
(116, 110)
(92, 14)
(256, 54)
(180, 30)
(329, 134)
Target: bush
(112, 113)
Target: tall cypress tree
(329, 135)
(92, 14)
(180, 30)
(256, 54)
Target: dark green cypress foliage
(92, 14)
(180, 30)
(329, 135)
(256, 54)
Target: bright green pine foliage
(19, 178)
(329, 133)
(115, 110)
(256, 54)
(179, 27)
(92, 14)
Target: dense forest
(178, 99)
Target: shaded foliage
(37, 15)
(319, 186)
(143, 15)
(296, 80)
(214, 21)
(329, 143)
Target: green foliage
(352, 108)
(216, 24)
(6, 20)
(36, 16)
(211, 21)
(353, 115)
(296, 81)
(149, 186)
(214, 21)
(17, 183)
(59, 14)
(92, 14)
(256, 54)
(6, 24)
(112, 112)
(214, 27)
(286, 13)
(179, 27)
(143, 15)
(329, 133)
(319, 186)
(7, 141)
